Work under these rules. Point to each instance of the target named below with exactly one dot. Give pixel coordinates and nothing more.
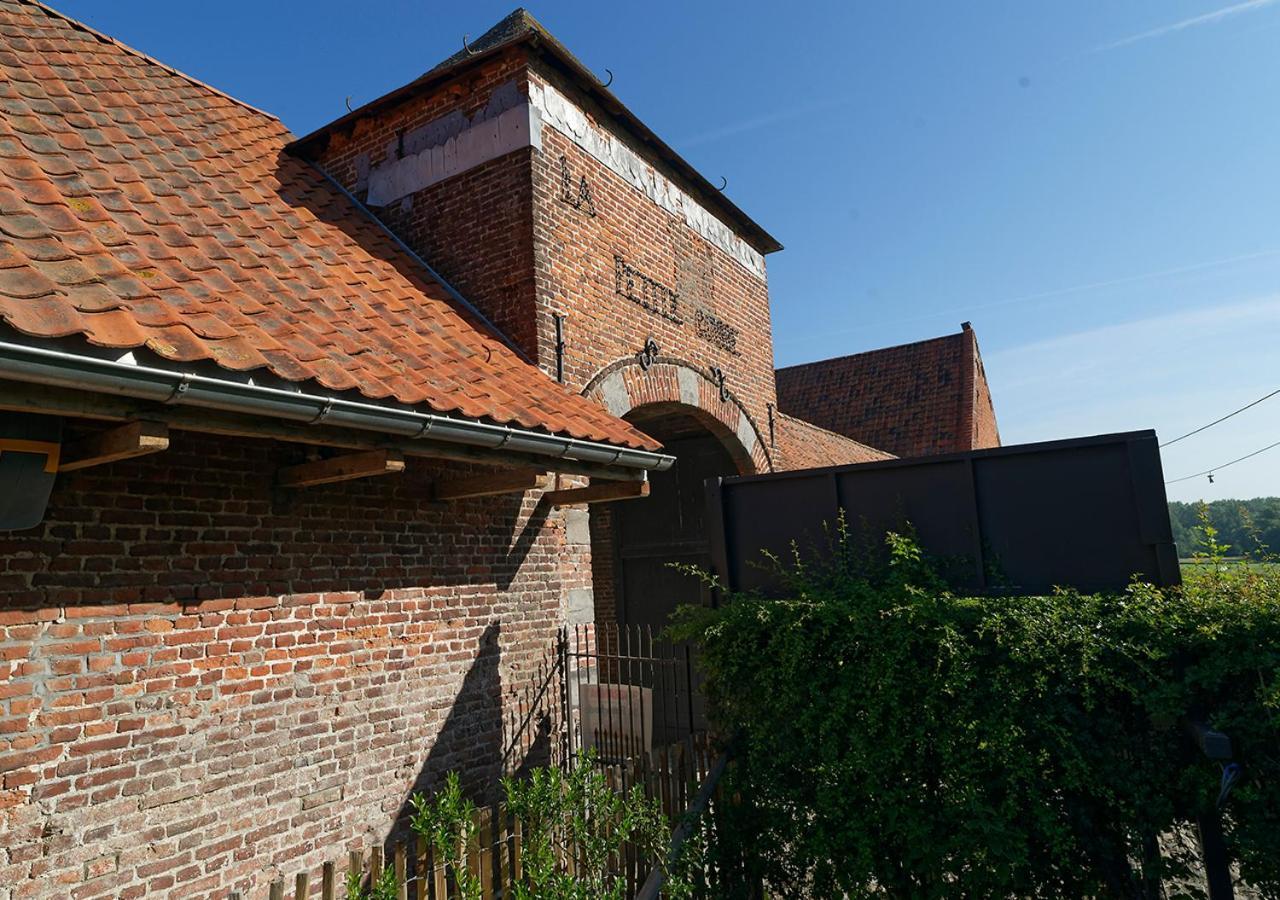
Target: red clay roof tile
(139, 208)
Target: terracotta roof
(912, 400)
(140, 208)
(806, 446)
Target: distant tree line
(1242, 524)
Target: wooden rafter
(489, 485)
(341, 468)
(599, 493)
(122, 442)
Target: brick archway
(627, 385)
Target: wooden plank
(471, 851)
(441, 877)
(302, 886)
(490, 485)
(485, 857)
(355, 863)
(421, 868)
(517, 863)
(277, 889)
(401, 864)
(599, 493)
(123, 442)
(22, 397)
(341, 468)
(328, 882)
(503, 849)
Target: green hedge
(894, 739)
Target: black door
(667, 527)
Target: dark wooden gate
(668, 527)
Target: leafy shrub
(894, 739)
(447, 822)
(575, 830)
(382, 885)
(579, 814)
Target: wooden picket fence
(671, 775)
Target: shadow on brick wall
(205, 521)
(470, 740)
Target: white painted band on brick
(613, 391)
(520, 126)
(562, 115)
(580, 606)
(687, 379)
(747, 434)
(513, 129)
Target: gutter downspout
(67, 370)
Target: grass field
(1193, 567)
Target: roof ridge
(133, 51)
(832, 359)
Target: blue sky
(1095, 185)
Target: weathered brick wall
(986, 433)
(519, 239)
(203, 676)
(577, 274)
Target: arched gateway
(633, 544)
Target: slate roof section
(806, 446)
(916, 399)
(140, 209)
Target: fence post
(441, 879)
(301, 886)
(328, 882)
(422, 868)
(402, 886)
(355, 863)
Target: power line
(1224, 465)
(1223, 419)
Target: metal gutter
(68, 370)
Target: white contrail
(764, 121)
(1206, 19)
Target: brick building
(912, 400)
(336, 433)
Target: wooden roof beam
(341, 468)
(490, 485)
(599, 493)
(122, 442)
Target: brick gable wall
(917, 399)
